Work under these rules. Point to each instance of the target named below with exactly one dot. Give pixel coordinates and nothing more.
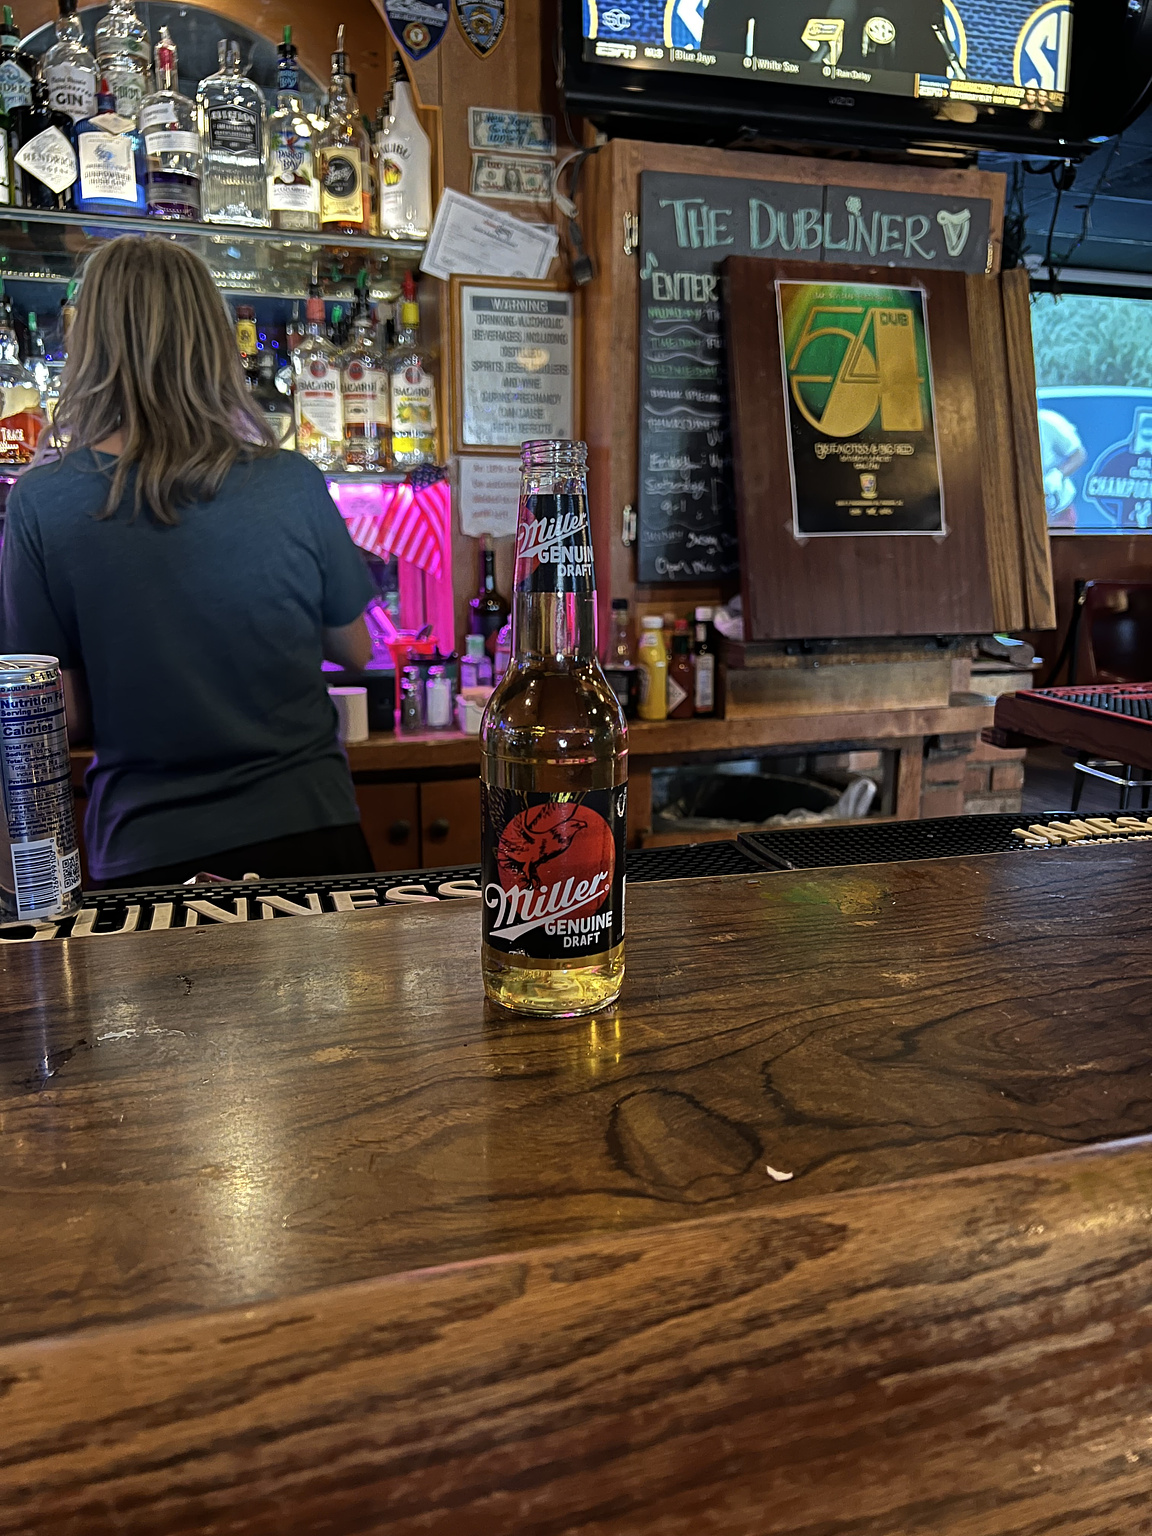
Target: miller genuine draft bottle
(554, 767)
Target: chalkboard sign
(686, 523)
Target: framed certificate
(518, 356)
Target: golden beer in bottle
(554, 767)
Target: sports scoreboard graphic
(989, 52)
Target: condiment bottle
(681, 683)
(653, 662)
(705, 689)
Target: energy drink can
(39, 858)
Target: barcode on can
(70, 871)
(37, 874)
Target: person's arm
(1074, 461)
(77, 707)
(349, 646)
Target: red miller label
(552, 878)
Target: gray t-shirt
(201, 644)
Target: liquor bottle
(367, 433)
(246, 338)
(319, 403)
(554, 768)
(344, 156)
(233, 128)
(488, 610)
(47, 154)
(270, 400)
(704, 701)
(404, 166)
(293, 191)
(681, 683)
(124, 56)
(68, 68)
(622, 675)
(412, 387)
(17, 66)
(171, 141)
(112, 163)
(36, 357)
(21, 415)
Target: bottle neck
(488, 576)
(554, 605)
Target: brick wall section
(964, 777)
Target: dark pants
(326, 851)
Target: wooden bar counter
(841, 1222)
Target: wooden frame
(610, 195)
(851, 587)
(457, 284)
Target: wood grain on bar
(382, 1260)
(954, 1355)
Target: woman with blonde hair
(191, 578)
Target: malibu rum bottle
(554, 767)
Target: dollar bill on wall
(524, 133)
(512, 178)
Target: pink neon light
(414, 523)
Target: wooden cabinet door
(450, 822)
(390, 816)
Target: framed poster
(858, 388)
(855, 404)
(516, 344)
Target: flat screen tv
(1016, 75)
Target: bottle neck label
(554, 545)
(552, 877)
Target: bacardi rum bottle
(319, 398)
(554, 768)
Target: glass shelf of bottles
(46, 246)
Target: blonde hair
(152, 354)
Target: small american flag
(411, 521)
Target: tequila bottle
(233, 121)
(319, 403)
(404, 166)
(344, 156)
(412, 388)
(293, 193)
(68, 68)
(124, 56)
(171, 141)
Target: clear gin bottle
(233, 119)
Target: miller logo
(553, 880)
(852, 361)
(482, 23)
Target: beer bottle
(554, 767)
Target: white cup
(352, 708)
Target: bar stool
(1110, 641)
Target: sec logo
(1041, 59)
